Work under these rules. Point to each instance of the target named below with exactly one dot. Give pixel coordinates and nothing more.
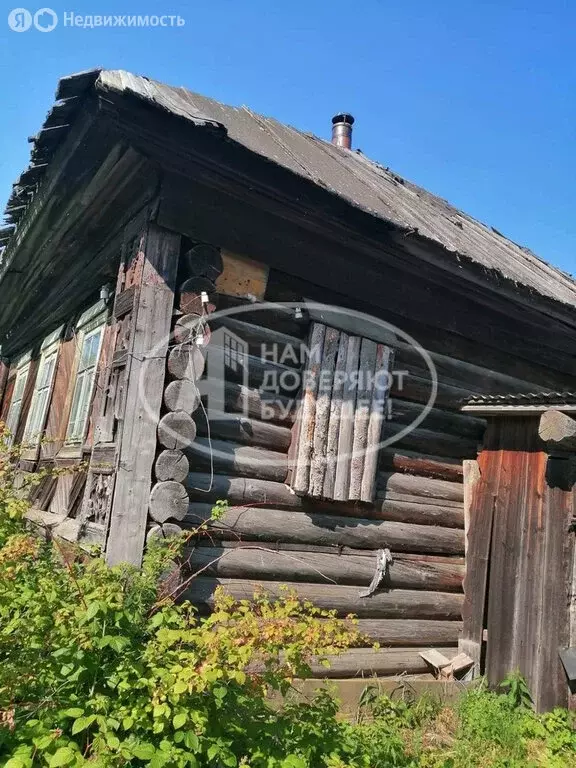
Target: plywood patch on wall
(242, 276)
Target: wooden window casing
(90, 347)
(42, 393)
(18, 395)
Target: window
(42, 390)
(91, 342)
(17, 397)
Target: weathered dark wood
(171, 465)
(322, 416)
(274, 525)
(271, 565)
(335, 415)
(369, 662)
(362, 416)
(176, 430)
(203, 261)
(145, 383)
(186, 361)
(266, 493)
(263, 341)
(392, 604)
(165, 531)
(557, 430)
(246, 431)
(346, 433)
(376, 419)
(190, 329)
(232, 458)
(301, 472)
(412, 463)
(407, 632)
(435, 443)
(437, 420)
(182, 396)
(168, 500)
(270, 407)
(414, 485)
(4, 369)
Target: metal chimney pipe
(342, 130)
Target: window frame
(92, 322)
(22, 373)
(49, 350)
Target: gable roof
(348, 174)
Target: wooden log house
(145, 210)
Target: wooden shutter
(344, 393)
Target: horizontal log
(392, 604)
(413, 485)
(256, 372)
(335, 550)
(245, 562)
(371, 662)
(246, 431)
(413, 463)
(274, 525)
(265, 314)
(165, 531)
(410, 632)
(264, 342)
(437, 420)
(171, 465)
(426, 441)
(176, 430)
(239, 491)
(242, 460)
(269, 407)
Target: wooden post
(4, 368)
(145, 388)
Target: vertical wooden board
(4, 370)
(366, 373)
(482, 504)
(61, 499)
(145, 384)
(322, 419)
(301, 473)
(346, 432)
(553, 632)
(7, 398)
(335, 414)
(376, 419)
(57, 420)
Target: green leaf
(63, 756)
(82, 723)
(179, 720)
(213, 751)
(127, 723)
(144, 751)
(93, 610)
(192, 741)
(15, 762)
(72, 712)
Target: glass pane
(72, 424)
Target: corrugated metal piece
(349, 174)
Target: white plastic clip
(204, 297)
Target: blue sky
(472, 99)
